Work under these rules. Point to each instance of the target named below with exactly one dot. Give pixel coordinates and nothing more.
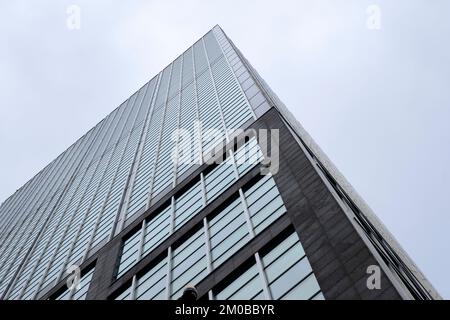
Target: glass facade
(219, 237)
(103, 181)
(285, 272)
(141, 181)
(111, 175)
(185, 205)
(285, 275)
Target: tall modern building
(166, 192)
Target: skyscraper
(166, 192)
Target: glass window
(157, 230)
(304, 290)
(248, 156)
(318, 296)
(85, 281)
(152, 285)
(247, 286)
(188, 204)
(126, 295)
(219, 179)
(226, 241)
(189, 264)
(264, 203)
(200, 58)
(164, 171)
(188, 65)
(130, 253)
(288, 271)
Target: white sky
(377, 102)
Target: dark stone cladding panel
(337, 254)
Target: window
(130, 253)
(264, 203)
(288, 271)
(247, 286)
(155, 230)
(126, 295)
(188, 204)
(152, 285)
(228, 232)
(189, 263)
(248, 156)
(219, 179)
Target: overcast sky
(376, 101)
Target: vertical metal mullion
(208, 252)
(242, 196)
(73, 289)
(141, 240)
(169, 273)
(203, 187)
(247, 214)
(133, 288)
(263, 277)
(233, 160)
(172, 214)
(207, 245)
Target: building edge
(312, 147)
